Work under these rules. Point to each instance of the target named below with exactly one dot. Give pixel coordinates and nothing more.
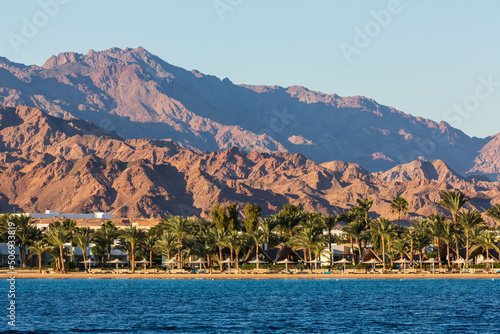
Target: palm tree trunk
(359, 249)
(411, 253)
(438, 253)
(132, 258)
(330, 246)
(420, 257)
(40, 263)
(71, 247)
(84, 259)
(448, 253)
(63, 270)
(467, 248)
(257, 253)
(456, 237)
(150, 258)
(23, 254)
(352, 250)
(399, 218)
(220, 258)
(237, 261)
(109, 252)
(383, 252)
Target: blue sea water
(253, 306)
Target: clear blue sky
(426, 59)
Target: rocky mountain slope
(74, 166)
(138, 95)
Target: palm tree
(486, 241)
(167, 244)
(58, 235)
(26, 233)
(434, 228)
(453, 201)
(469, 220)
(150, 244)
(384, 229)
(448, 235)
(180, 227)
(356, 230)
(39, 247)
(259, 237)
(364, 205)
(494, 212)
(349, 217)
(401, 246)
(54, 252)
(70, 225)
(309, 233)
(135, 236)
(267, 225)
(82, 240)
(318, 248)
(235, 241)
(219, 238)
(329, 222)
(400, 205)
(107, 234)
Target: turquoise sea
(253, 306)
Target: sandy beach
(70, 275)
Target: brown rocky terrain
(74, 166)
(139, 95)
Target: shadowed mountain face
(73, 166)
(138, 95)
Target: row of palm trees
(176, 236)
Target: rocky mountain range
(139, 96)
(72, 165)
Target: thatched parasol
(286, 262)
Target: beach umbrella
(199, 261)
(228, 262)
(172, 261)
(286, 262)
(343, 262)
(117, 261)
(403, 261)
(461, 261)
(143, 262)
(89, 262)
(257, 262)
(315, 262)
(373, 261)
(490, 260)
(433, 261)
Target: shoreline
(75, 275)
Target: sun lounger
(465, 272)
(327, 272)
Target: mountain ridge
(73, 165)
(139, 95)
